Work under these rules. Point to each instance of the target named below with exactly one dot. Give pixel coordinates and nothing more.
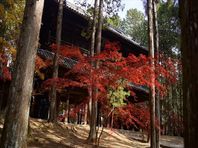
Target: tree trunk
(112, 115)
(156, 46)
(53, 95)
(2, 91)
(85, 114)
(189, 46)
(181, 103)
(103, 126)
(99, 30)
(92, 134)
(108, 123)
(151, 54)
(67, 111)
(16, 121)
(90, 100)
(92, 118)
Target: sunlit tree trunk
(92, 118)
(90, 99)
(156, 49)
(16, 120)
(53, 95)
(92, 135)
(85, 114)
(189, 46)
(99, 30)
(108, 123)
(112, 116)
(98, 48)
(151, 54)
(67, 111)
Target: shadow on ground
(46, 135)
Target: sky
(131, 4)
(128, 4)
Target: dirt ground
(47, 135)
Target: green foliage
(114, 21)
(11, 19)
(86, 33)
(112, 7)
(11, 14)
(135, 25)
(169, 28)
(117, 96)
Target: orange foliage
(68, 51)
(5, 73)
(40, 63)
(112, 68)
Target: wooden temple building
(75, 22)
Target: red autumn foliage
(5, 73)
(40, 63)
(112, 68)
(68, 51)
(132, 114)
(61, 83)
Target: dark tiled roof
(66, 62)
(120, 33)
(142, 88)
(76, 8)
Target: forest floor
(47, 135)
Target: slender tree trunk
(92, 118)
(1, 95)
(181, 103)
(90, 100)
(99, 30)
(108, 123)
(106, 119)
(172, 104)
(53, 95)
(151, 54)
(67, 111)
(92, 135)
(169, 114)
(156, 46)
(189, 46)
(78, 117)
(16, 121)
(112, 115)
(92, 132)
(85, 114)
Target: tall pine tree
(16, 120)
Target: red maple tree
(113, 67)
